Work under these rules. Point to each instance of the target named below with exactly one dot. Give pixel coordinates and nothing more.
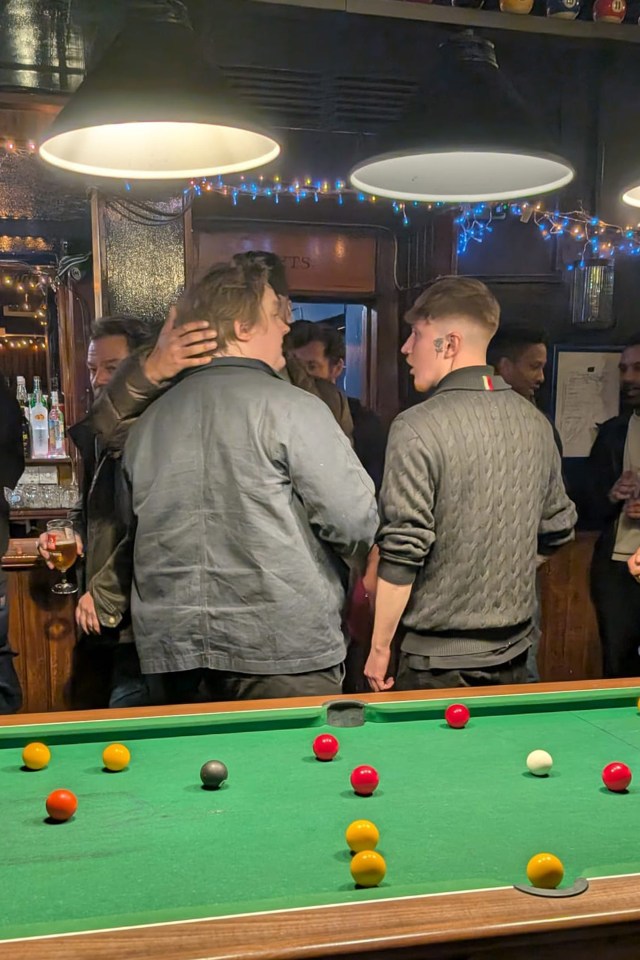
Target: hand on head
(179, 348)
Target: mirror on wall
(28, 325)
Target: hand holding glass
(63, 552)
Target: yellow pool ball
(362, 835)
(36, 756)
(545, 870)
(368, 868)
(116, 757)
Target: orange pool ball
(545, 870)
(61, 805)
(36, 756)
(116, 757)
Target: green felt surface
(457, 809)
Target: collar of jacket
(471, 378)
(245, 362)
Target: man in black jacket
(614, 506)
(11, 468)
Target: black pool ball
(213, 773)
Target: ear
(336, 369)
(242, 331)
(453, 345)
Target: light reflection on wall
(25, 244)
(145, 264)
(34, 42)
(28, 191)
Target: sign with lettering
(317, 261)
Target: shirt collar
(246, 362)
(472, 378)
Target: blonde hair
(227, 292)
(457, 296)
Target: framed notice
(586, 392)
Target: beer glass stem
(64, 587)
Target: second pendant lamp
(470, 138)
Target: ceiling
(327, 80)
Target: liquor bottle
(21, 391)
(39, 423)
(56, 389)
(23, 401)
(56, 427)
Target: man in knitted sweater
(472, 495)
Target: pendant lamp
(154, 109)
(470, 138)
(632, 195)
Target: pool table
(153, 865)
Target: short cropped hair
(303, 332)
(457, 296)
(137, 332)
(227, 292)
(273, 264)
(512, 343)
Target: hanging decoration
(30, 290)
(15, 341)
(299, 189)
(18, 147)
(591, 238)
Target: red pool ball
(364, 780)
(61, 805)
(325, 746)
(616, 777)
(457, 715)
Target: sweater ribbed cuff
(399, 574)
(548, 543)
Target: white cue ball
(539, 763)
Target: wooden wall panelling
(75, 315)
(570, 644)
(25, 362)
(384, 332)
(42, 632)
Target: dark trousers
(128, 685)
(10, 690)
(198, 686)
(616, 597)
(414, 673)
(105, 673)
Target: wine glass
(63, 551)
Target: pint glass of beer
(63, 551)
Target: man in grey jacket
(472, 494)
(249, 505)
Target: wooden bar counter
(41, 628)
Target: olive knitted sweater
(472, 492)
